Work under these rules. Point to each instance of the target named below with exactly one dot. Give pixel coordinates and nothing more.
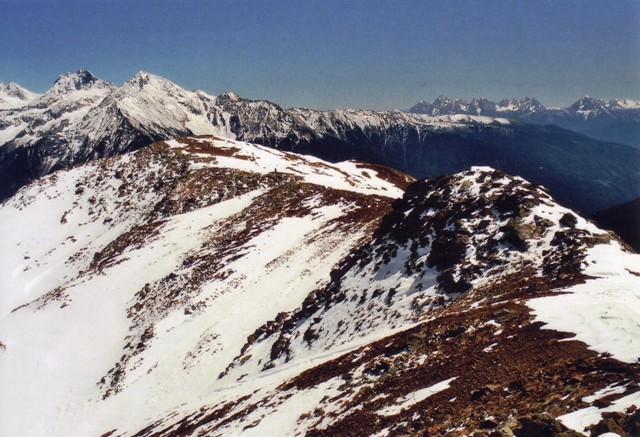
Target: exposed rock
(541, 425)
(625, 424)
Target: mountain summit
(80, 80)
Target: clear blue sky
(334, 53)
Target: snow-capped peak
(80, 80)
(588, 103)
(527, 104)
(13, 95)
(15, 90)
(143, 79)
(160, 107)
(229, 96)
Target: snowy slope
(154, 104)
(90, 254)
(435, 305)
(402, 274)
(205, 286)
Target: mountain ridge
(200, 283)
(102, 120)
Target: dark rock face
(569, 220)
(538, 153)
(623, 424)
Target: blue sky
(334, 54)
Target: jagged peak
(229, 97)
(588, 101)
(82, 79)
(530, 104)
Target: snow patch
(581, 419)
(408, 400)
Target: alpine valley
(163, 274)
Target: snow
(58, 112)
(61, 354)
(147, 100)
(581, 419)
(492, 345)
(11, 131)
(609, 390)
(57, 350)
(479, 119)
(14, 96)
(253, 158)
(284, 418)
(605, 311)
(408, 400)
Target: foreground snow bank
(604, 311)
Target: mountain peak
(588, 102)
(230, 96)
(14, 90)
(13, 95)
(144, 80)
(80, 80)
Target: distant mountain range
(616, 120)
(82, 118)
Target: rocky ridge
(227, 288)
